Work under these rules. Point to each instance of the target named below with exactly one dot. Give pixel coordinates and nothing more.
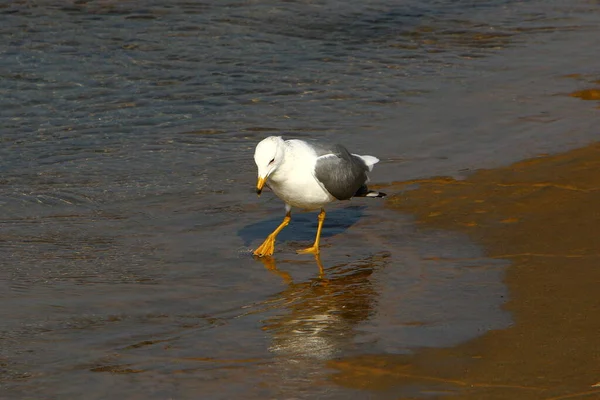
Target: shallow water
(126, 185)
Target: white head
(268, 156)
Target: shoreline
(542, 215)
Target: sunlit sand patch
(542, 215)
(587, 94)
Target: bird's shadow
(304, 225)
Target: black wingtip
(373, 193)
(364, 191)
(370, 193)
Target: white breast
(294, 181)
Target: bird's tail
(374, 193)
(364, 191)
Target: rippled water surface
(127, 208)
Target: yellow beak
(259, 185)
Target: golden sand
(543, 215)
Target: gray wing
(341, 173)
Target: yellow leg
(268, 246)
(314, 249)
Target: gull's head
(268, 156)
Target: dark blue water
(127, 213)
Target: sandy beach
(129, 216)
(541, 214)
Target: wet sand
(128, 214)
(542, 215)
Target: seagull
(308, 176)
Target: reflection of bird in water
(308, 176)
(319, 315)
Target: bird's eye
(271, 162)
